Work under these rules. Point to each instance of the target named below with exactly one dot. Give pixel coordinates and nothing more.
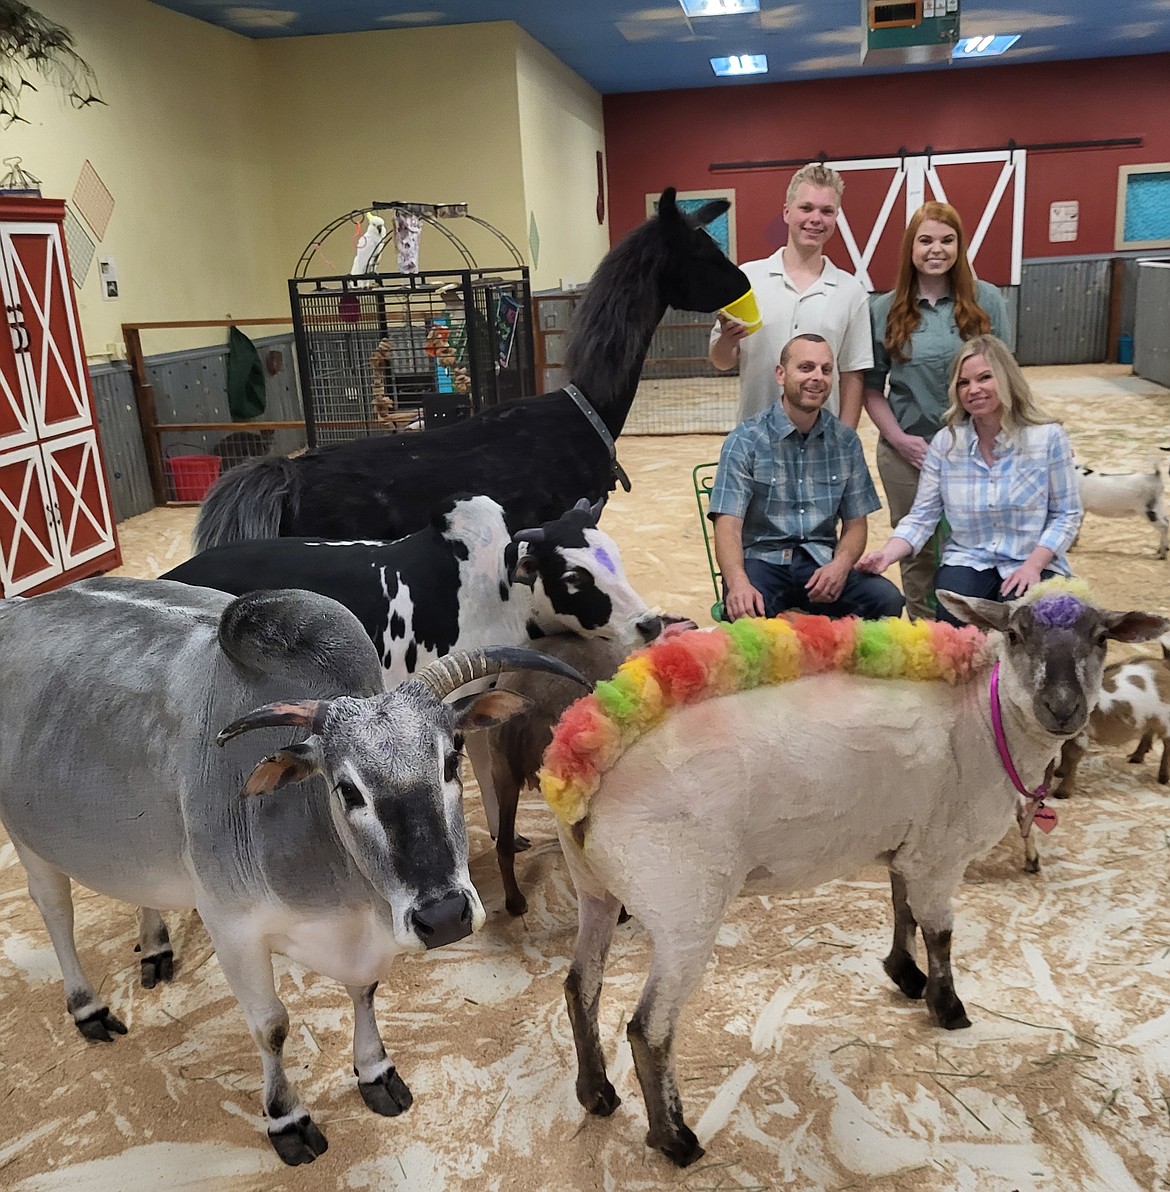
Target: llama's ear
(667, 208)
(710, 212)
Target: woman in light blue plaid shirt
(1001, 472)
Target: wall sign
(1062, 221)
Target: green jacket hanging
(245, 377)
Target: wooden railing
(152, 431)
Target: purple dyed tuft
(1060, 611)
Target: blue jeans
(782, 586)
(969, 581)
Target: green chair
(703, 477)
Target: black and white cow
(461, 584)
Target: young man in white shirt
(799, 290)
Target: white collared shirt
(835, 306)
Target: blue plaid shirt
(791, 489)
(998, 513)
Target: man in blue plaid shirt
(786, 477)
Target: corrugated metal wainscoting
(189, 386)
(1063, 312)
(121, 434)
(1151, 333)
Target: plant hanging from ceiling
(31, 42)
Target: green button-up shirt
(918, 386)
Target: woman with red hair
(936, 305)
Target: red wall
(669, 138)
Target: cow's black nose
(443, 920)
(649, 626)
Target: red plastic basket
(193, 475)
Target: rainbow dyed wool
(705, 663)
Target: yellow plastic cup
(745, 311)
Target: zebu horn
(452, 671)
(305, 713)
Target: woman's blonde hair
(904, 317)
(1016, 402)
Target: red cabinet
(55, 511)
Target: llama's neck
(609, 388)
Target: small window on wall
(1143, 206)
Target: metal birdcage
(381, 352)
(405, 351)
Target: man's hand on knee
(826, 584)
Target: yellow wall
(180, 146)
(225, 156)
(561, 133)
(421, 115)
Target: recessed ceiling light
(740, 64)
(718, 8)
(987, 46)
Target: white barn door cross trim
(914, 174)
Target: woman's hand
(873, 563)
(1020, 580)
(912, 448)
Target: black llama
(537, 456)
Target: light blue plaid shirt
(998, 513)
(791, 489)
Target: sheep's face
(1056, 658)
(1053, 653)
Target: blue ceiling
(624, 45)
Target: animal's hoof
(1061, 793)
(906, 975)
(517, 905)
(1032, 865)
(156, 968)
(521, 844)
(950, 1013)
(298, 1142)
(600, 1101)
(388, 1095)
(98, 1025)
(682, 1149)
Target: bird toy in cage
(451, 376)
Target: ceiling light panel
(740, 64)
(987, 46)
(718, 8)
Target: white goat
(760, 789)
(1126, 493)
(1134, 701)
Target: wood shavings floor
(801, 1065)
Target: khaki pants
(900, 480)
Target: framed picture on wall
(722, 230)
(1143, 206)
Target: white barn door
(915, 180)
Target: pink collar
(1044, 817)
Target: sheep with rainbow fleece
(769, 756)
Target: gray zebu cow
(112, 696)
